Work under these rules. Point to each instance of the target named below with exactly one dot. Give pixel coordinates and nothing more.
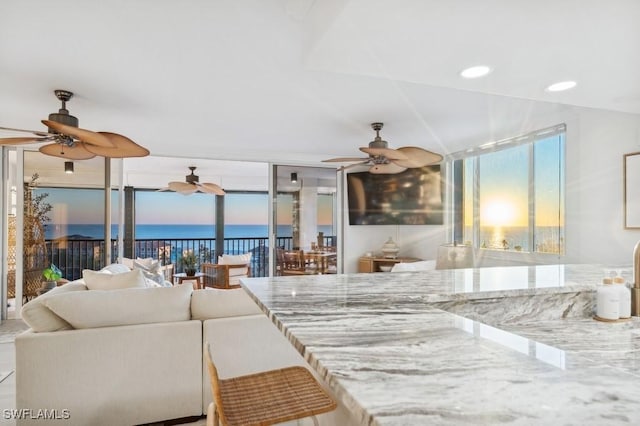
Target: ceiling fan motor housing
(192, 178)
(63, 116)
(378, 142)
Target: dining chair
(293, 263)
(265, 398)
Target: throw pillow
(100, 281)
(127, 262)
(213, 303)
(42, 319)
(110, 308)
(150, 268)
(115, 268)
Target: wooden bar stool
(273, 396)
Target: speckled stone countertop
(510, 345)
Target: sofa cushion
(234, 259)
(42, 319)
(107, 308)
(238, 259)
(96, 280)
(422, 265)
(215, 303)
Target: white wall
(595, 144)
(595, 210)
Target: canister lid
(618, 280)
(606, 281)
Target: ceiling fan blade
(391, 154)
(18, 141)
(182, 187)
(211, 188)
(122, 147)
(86, 136)
(386, 169)
(353, 165)
(77, 152)
(417, 157)
(35, 132)
(343, 160)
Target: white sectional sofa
(134, 356)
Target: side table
(198, 278)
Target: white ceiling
(298, 81)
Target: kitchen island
(510, 345)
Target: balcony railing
(72, 256)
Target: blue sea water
(181, 231)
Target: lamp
(68, 167)
(454, 256)
(294, 177)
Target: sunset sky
(82, 206)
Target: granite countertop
(520, 349)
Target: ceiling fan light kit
(68, 141)
(385, 160)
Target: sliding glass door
(305, 215)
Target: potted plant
(189, 261)
(51, 275)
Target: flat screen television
(413, 197)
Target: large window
(509, 195)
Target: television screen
(413, 197)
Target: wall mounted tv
(413, 197)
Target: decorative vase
(390, 249)
(190, 271)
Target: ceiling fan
(69, 141)
(192, 185)
(385, 160)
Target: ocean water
(181, 231)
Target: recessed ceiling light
(563, 85)
(475, 72)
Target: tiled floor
(7, 367)
(8, 329)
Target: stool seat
(269, 397)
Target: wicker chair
(270, 397)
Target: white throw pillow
(213, 303)
(150, 268)
(127, 262)
(104, 281)
(115, 268)
(42, 319)
(109, 308)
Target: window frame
(456, 195)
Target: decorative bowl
(385, 268)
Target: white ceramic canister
(608, 300)
(625, 297)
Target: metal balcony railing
(74, 255)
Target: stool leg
(315, 421)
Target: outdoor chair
(224, 276)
